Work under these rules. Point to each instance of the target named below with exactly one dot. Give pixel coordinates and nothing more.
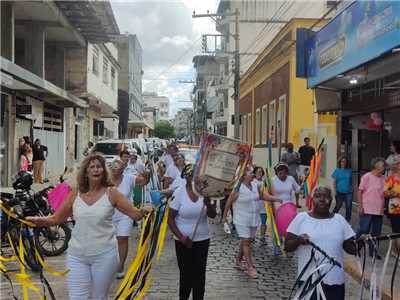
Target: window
(245, 128)
(272, 121)
(105, 71)
(95, 61)
(249, 130)
(264, 124)
(258, 122)
(282, 118)
(98, 128)
(112, 78)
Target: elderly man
(135, 165)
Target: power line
(178, 59)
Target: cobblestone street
(224, 281)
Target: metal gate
(54, 141)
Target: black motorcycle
(51, 241)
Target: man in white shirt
(168, 158)
(135, 165)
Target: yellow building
(274, 102)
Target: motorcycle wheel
(29, 249)
(53, 241)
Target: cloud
(169, 37)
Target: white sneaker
(120, 275)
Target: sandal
(252, 273)
(239, 264)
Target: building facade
(130, 55)
(150, 116)
(183, 123)
(259, 23)
(207, 70)
(38, 43)
(358, 83)
(160, 103)
(275, 103)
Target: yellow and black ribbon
(19, 250)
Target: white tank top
(93, 232)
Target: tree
(164, 130)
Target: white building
(93, 75)
(130, 86)
(160, 103)
(182, 123)
(259, 22)
(48, 88)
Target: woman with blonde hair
(92, 251)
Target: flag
(313, 178)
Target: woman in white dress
(245, 202)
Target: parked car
(111, 148)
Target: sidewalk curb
(352, 270)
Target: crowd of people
(99, 244)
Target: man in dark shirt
(306, 154)
(38, 160)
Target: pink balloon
(284, 216)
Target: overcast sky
(170, 37)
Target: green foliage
(164, 130)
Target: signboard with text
(360, 33)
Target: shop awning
(17, 78)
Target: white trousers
(92, 275)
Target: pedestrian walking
(306, 152)
(394, 151)
(168, 157)
(179, 164)
(342, 185)
(124, 183)
(392, 195)
(134, 165)
(331, 233)
(92, 251)
(40, 153)
(175, 169)
(23, 159)
(292, 159)
(259, 181)
(88, 148)
(371, 201)
(245, 202)
(188, 221)
(285, 188)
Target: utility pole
(237, 75)
(237, 62)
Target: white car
(111, 149)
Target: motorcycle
(51, 241)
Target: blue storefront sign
(360, 33)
